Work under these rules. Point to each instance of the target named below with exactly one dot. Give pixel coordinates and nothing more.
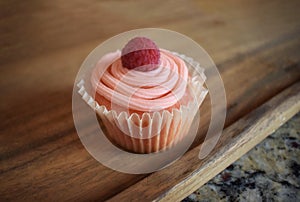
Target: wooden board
(189, 172)
(256, 46)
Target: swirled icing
(142, 91)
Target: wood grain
(256, 46)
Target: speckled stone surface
(269, 172)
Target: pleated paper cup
(155, 131)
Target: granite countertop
(269, 172)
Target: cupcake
(145, 97)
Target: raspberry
(141, 54)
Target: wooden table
(255, 44)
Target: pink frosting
(142, 91)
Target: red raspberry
(141, 54)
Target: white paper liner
(152, 132)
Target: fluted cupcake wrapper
(149, 132)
